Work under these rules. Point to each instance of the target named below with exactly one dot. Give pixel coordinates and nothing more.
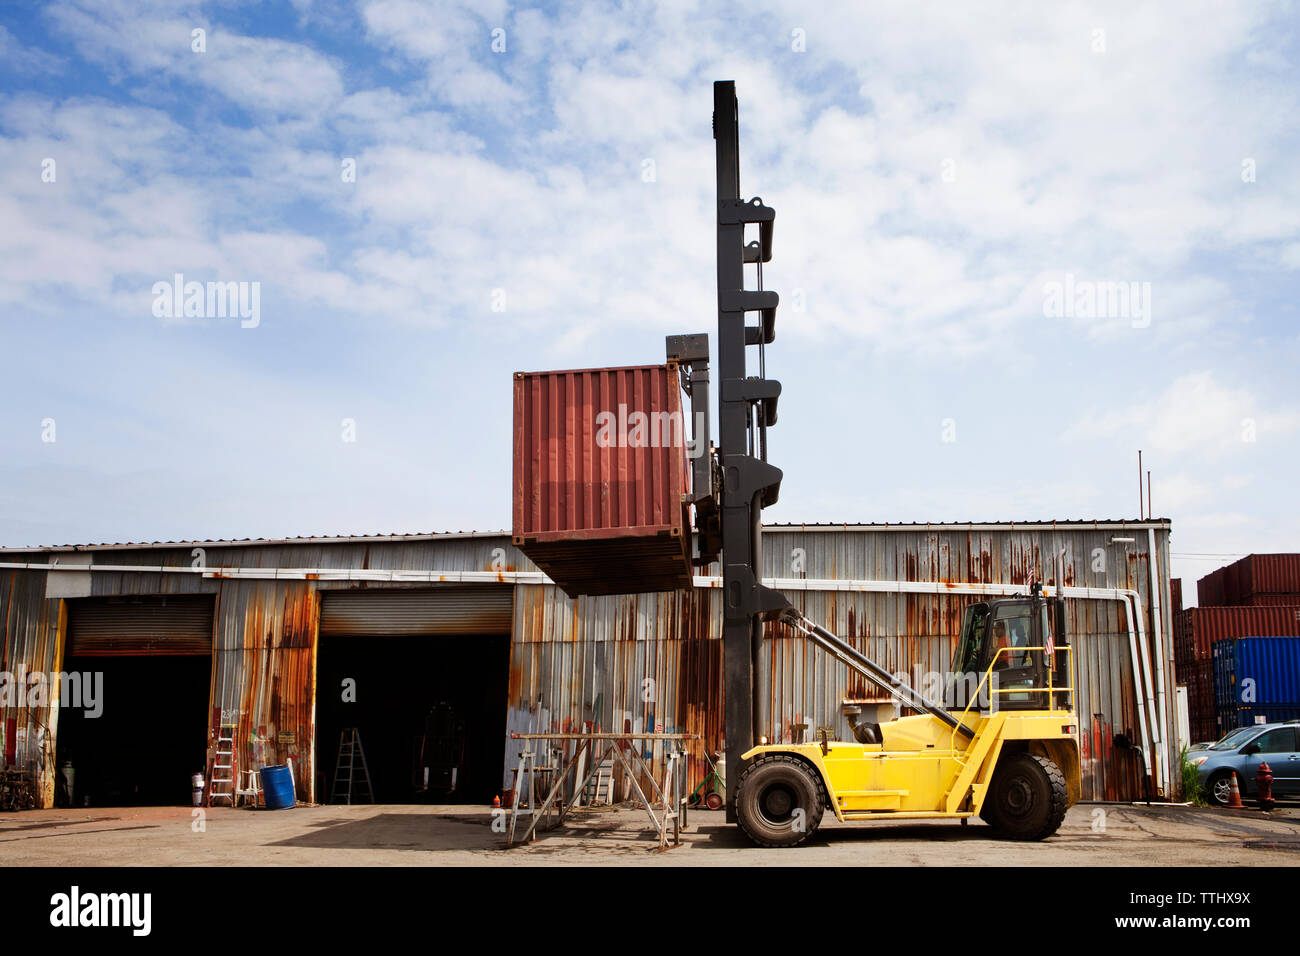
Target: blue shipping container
(1256, 677)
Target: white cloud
(522, 171)
(263, 75)
(1194, 415)
(22, 59)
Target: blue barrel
(277, 787)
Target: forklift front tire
(1028, 798)
(779, 801)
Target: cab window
(1011, 631)
(966, 660)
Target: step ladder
(601, 781)
(350, 773)
(221, 781)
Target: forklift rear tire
(1028, 798)
(779, 801)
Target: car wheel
(1219, 787)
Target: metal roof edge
(257, 542)
(1107, 524)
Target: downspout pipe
(1153, 568)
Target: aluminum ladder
(350, 772)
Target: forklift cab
(1011, 636)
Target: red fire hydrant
(1264, 786)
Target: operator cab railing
(1056, 696)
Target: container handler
(1005, 746)
(1001, 745)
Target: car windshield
(1235, 739)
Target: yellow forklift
(1002, 744)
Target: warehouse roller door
(452, 610)
(422, 673)
(142, 625)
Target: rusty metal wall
(640, 662)
(30, 642)
(264, 640)
(917, 633)
(564, 670)
(588, 660)
(264, 669)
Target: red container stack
(1264, 579)
(1209, 590)
(600, 475)
(1258, 596)
(1197, 628)
(1202, 717)
(1257, 580)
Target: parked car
(1243, 750)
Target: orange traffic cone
(1234, 795)
(496, 802)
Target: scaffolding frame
(670, 797)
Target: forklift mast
(730, 492)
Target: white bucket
(196, 781)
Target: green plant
(1191, 783)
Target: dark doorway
(434, 702)
(150, 737)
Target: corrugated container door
(423, 612)
(1266, 575)
(599, 478)
(1280, 599)
(1209, 624)
(1258, 679)
(1273, 666)
(1209, 589)
(137, 626)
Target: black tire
(1218, 787)
(769, 795)
(1028, 798)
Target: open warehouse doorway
(422, 675)
(147, 662)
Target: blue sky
(935, 168)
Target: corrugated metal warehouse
(271, 635)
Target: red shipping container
(1257, 580)
(1184, 651)
(600, 475)
(1261, 574)
(1272, 600)
(1176, 594)
(1199, 678)
(1209, 590)
(1197, 628)
(1204, 729)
